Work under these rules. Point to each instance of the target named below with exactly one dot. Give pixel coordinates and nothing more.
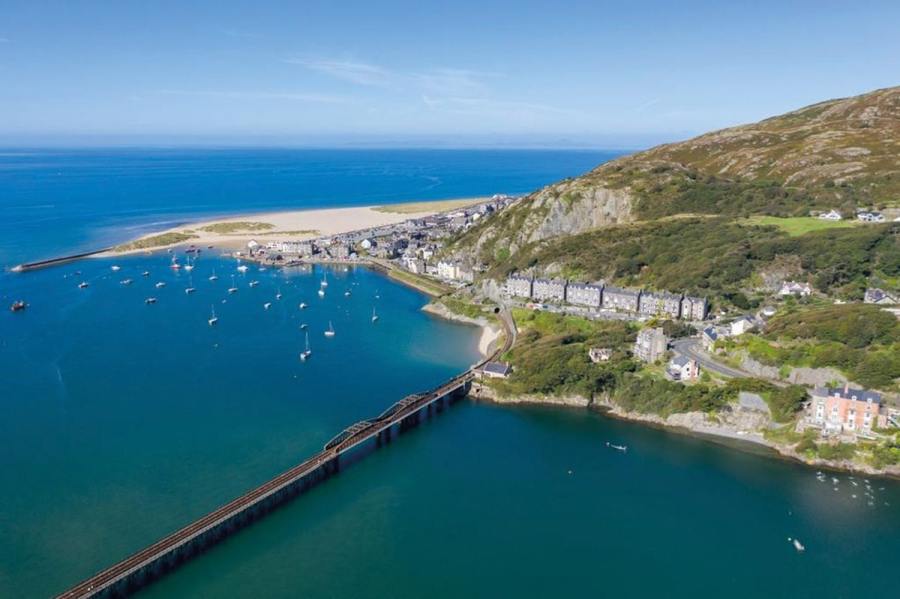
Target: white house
(682, 368)
(831, 215)
(795, 288)
(742, 325)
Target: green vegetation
(799, 225)
(717, 257)
(236, 227)
(885, 454)
(426, 285)
(155, 241)
(463, 308)
(649, 395)
(783, 402)
(551, 356)
(860, 340)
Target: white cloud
(258, 95)
(355, 72)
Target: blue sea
(121, 421)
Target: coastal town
(835, 413)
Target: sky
(599, 74)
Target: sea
(121, 420)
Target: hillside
(839, 154)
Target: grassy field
(421, 283)
(431, 206)
(237, 226)
(155, 241)
(798, 225)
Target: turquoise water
(122, 421)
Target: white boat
(302, 305)
(213, 319)
(242, 268)
(146, 273)
(254, 283)
(304, 326)
(324, 282)
(278, 294)
(115, 268)
(232, 289)
(214, 276)
(305, 354)
(374, 316)
(174, 264)
(150, 300)
(262, 269)
(125, 282)
(267, 305)
(622, 448)
(321, 293)
(82, 285)
(797, 544)
(189, 266)
(160, 285)
(347, 293)
(330, 331)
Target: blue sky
(612, 74)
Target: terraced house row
(600, 295)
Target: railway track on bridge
(106, 581)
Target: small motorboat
(347, 293)
(797, 545)
(321, 293)
(18, 306)
(278, 294)
(302, 305)
(213, 319)
(330, 332)
(160, 285)
(267, 305)
(622, 448)
(214, 276)
(304, 326)
(374, 316)
(262, 269)
(146, 273)
(115, 268)
(233, 288)
(82, 285)
(150, 300)
(254, 283)
(174, 265)
(242, 268)
(125, 282)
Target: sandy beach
(235, 231)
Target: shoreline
(681, 424)
(490, 333)
(235, 231)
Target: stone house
(549, 289)
(616, 298)
(599, 354)
(660, 304)
(694, 308)
(584, 294)
(651, 344)
(519, 286)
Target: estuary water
(121, 421)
